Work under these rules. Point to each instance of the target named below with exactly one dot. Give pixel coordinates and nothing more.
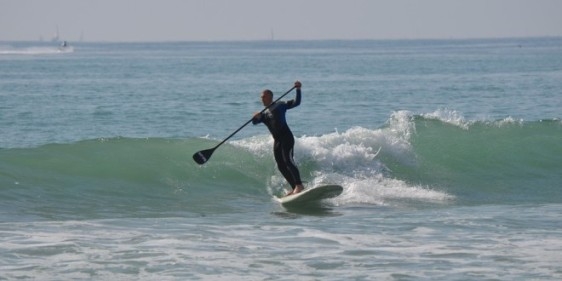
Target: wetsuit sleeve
(257, 120)
(296, 102)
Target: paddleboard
(311, 195)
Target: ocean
(449, 152)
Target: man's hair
(268, 91)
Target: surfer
(274, 118)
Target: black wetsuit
(274, 119)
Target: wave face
(413, 159)
(116, 177)
(489, 161)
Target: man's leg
(282, 166)
(293, 171)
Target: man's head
(266, 97)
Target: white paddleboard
(314, 194)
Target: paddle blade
(203, 156)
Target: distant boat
(64, 47)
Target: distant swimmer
(274, 118)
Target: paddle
(203, 156)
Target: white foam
(449, 116)
(456, 118)
(508, 121)
(385, 191)
(4, 50)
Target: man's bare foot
(290, 192)
(298, 189)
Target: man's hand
(298, 84)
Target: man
(274, 119)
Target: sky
(235, 20)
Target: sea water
(449, 152)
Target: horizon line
(298, 40)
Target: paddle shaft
(210, 151)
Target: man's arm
(297, 101)
(257, 118)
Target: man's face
(266, 98)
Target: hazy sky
(214, 20)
